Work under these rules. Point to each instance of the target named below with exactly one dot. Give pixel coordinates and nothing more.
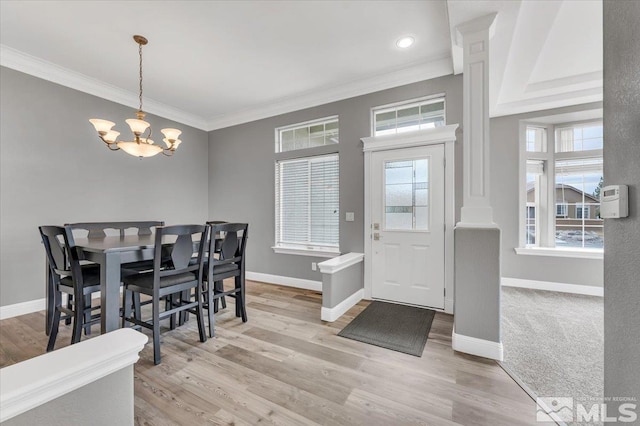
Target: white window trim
(561, 252)
(549, 158)
(381, 108)
(300, 251)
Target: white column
(477, 239)
(473, 36)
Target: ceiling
(211, 64)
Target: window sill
(561, 252)
(306, 252)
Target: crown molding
(576, 97)
(28, 64)
(420, 71)
(423, 70)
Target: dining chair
(226, 259)
(217, 250)
(169, 281)
(70, 277)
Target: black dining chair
(217, 251)
(226, 259)
(170, 281)
(70, 277)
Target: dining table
(111, 253)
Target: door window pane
(406, 195)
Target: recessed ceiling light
(405, 42)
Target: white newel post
(477, 237)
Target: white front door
(407, 225)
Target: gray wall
(241, 171)
(622, 166)
(107, 401)
(506, 210)
(54, 170)
(337, 287)
(477, 283)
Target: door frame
(445, 135)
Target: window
(562, 209)
(307, 189)
(307, 203)
(564, 172)
(408, 116)
(307, 135)
(583, 211)
(406, 194)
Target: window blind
(307, 202)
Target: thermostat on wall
(614, 201)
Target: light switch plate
(349, 216)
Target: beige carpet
(554, 342)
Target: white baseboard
(332, 314)
(285, 281)
(553, 286)
(22, 308)
(479, 347)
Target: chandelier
(141, 146)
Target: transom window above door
(407, 116)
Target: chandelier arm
(164, 152)
(110, 145)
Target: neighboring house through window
(563, 177)
(307, 189)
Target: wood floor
(285, 366)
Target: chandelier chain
(140, 54)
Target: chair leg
(51, 307)
(55, 321)
(172, 303)
(238, 287)
(218, 287)
(87, 315)
(242, 304)
(201, 328)
(67, 321)
(78, 320)
(156, 331)
(126, 306)
(137, 305)
(210, 308)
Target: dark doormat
(397, 327)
